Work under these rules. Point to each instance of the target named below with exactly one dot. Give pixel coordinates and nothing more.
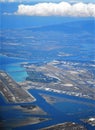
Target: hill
(69, 27)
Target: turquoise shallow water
(19, 75)
(59, 112)
(13, 67)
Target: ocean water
(13, 67)
(59, 112)
(41, 48)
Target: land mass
(12, 91)
(62, 78)
(66, 126)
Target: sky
(46, 0)
(27, 13)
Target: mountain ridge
(69, 27)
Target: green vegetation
(40, 77)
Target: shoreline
(12, 56)
(65, 125)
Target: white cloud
(57, 9)
(27, 1)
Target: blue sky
(20, 13)
(45, 0)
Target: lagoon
(13, 67)
(59, 112)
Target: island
(66, 126)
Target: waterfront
(60, 61)
(73, 109)
(66, 111)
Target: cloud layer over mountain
(57, 9)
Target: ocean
(39, 47)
